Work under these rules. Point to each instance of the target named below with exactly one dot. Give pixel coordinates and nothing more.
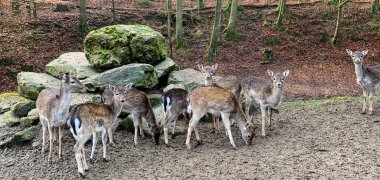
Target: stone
(165, 67)
(117, 45)
(9, 119)
(29, 121)
(18, 104)
(30, 83)
(187, 79)
(141, 75)
(19, 138)
(75, 62)
(80, 98)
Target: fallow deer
(217, 100)
(267, 95)
(367, 77)
(88, 119)
(53, 108)
(174, 102)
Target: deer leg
(50, 141)
(104, 132)
(194, 120)
(370, 103)
(60, 141)
(43, 122)
(79, 153)
(136, 124)
(270, 118)
(141, 129)
(227, 125)
(94, 141)
(109, 131)
(365, 94)
(85, 166)
(248, 104)
(263, 119)
(175, 122)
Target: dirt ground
(310, 140)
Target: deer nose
(122, 100)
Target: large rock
(18, 104)
(30, 83)
(9, 119)
(113, 46)
(141, 75)
(71, 62)
(19, 138)
(165, 67)
(187, 79)
(80, 98)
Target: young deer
(267, 95)
(367, 77)
(137, 103)
(230, 83)
(217, 100)
(174, 102)
(88, 119)
(53, 109)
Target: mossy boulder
(141, 75)
(30, 83)
(187, 79)
(80, 98)
(165, 67)
(9, 119)
(19, 138)
(116, 45)
(75, 62)
(16, 103)
(29, 121)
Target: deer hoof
(82, 175)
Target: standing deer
(217, 100)
(53, 109)
(137, 103)
(228, 82)
(267, 95)
(174, 102)
(367, 77)
(88, 119)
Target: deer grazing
(137, 103)
(174, 102)
(217, 100)
(53, 108)
(367, 77)
(88, 119)
(230, 83)
(267, 95)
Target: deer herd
(222, 98)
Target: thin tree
(169, 19)
(180, 44)
(200, 5)
(282, 13)
(230, 31)
(340, 14)
(83, 26)
(34, 9)
(212, 51)
(375, 7)
(114, 19)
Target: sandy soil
(309, 141)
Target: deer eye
(72, 82)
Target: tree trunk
(374, 7)
(340, 9)
(83, 26)
(169, 19)
(180, 44)
(282, 12)
(230, 30)
(212, 51)
(227, 7)
(34, 9)
(113, 12)
(200, 5)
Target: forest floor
(314, 139)
(317, 70)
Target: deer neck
(209, 82)
(359, 71)
(241, 120)
(64, 100)
(116, 108)
(276, 96)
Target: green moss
(155, 101)
(271, 41)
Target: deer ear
(200, 67)
(128, 86)
(113, 88)
(365, 52)
(270, 73)
(214, 67)
(286, 73)
(349, 52)
(62, 76)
